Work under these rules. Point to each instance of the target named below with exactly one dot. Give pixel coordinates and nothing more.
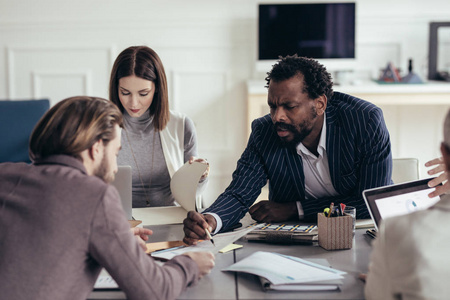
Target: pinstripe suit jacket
(359, 157)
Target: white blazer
(172, 142)
(411, 256)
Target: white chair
(405, 169)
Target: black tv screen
(316, 30)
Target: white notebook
(184, 189)
(288, 273)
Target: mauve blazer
(59, 227)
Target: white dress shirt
(316, 170)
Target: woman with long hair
(156, 141)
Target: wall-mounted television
(324, 31)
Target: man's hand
(204, 260)
(270, 211)
(442, 178)
(141, 235)
(203, 161)
(195, 225)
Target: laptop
(398, 199)
(122, 182)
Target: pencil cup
(335, 233)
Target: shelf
(430, 93)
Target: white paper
(364, 223)
(105, 281)
(184, 184)
(184, 189)
(280, 269)
(160, 215)
(221, 240)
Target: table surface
(230, 285)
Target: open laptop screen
(399, 199)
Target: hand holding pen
(198, 227)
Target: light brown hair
(74, 125)
(144, 63)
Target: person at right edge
(315, 147)
(410, 254)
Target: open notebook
(288, 273)
(184, 189)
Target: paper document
(364, 223)
(221, 240)
(284, 272)
(184, 189)
(105, 281)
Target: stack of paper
(284, 233)
(288, 273)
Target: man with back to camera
(410, 254)
(59, 225)
(316, 147)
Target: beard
(299, 132)
(103, 171)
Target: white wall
(56, 49)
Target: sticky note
(230, 247)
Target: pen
(331, 209)
(342, 205)
(209, 236)
(339, 209)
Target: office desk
(230, 286)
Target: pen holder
(335, 233)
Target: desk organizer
(335, 233)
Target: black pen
(209, 236)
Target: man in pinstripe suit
(316, 146)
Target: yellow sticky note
(230, 247)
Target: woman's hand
(141, 235)
(203, 161)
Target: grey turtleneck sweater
(142, 150)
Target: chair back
(405, 169)
(17, 120)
